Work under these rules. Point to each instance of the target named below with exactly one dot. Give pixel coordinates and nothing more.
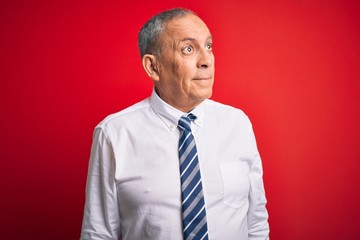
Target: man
(176, 165)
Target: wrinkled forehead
(186, 26)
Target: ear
(150, 66)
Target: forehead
(187, 26)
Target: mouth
(202, 78)
(203, 82)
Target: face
(185, 66)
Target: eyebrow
(193, 39)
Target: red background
(292, 66)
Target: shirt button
(172, 127)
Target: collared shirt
(133, 187)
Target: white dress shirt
(133, 187)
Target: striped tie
(193, 205)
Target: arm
(258, 226)
(101, 214)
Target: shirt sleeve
(101, 213)
(258, 226)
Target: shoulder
(224, 110)
(128, 114)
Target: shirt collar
(170, 115)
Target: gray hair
(148, 38)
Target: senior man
(176, 165)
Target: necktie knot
(185, 122)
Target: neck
(181, 107)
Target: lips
(202, 78)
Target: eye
(209, 46)
(187, 49)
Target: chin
(204, 94)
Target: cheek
(188, 70)
(184, 70)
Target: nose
(205, 59)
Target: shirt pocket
(235, 176)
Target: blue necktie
(193, 204)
